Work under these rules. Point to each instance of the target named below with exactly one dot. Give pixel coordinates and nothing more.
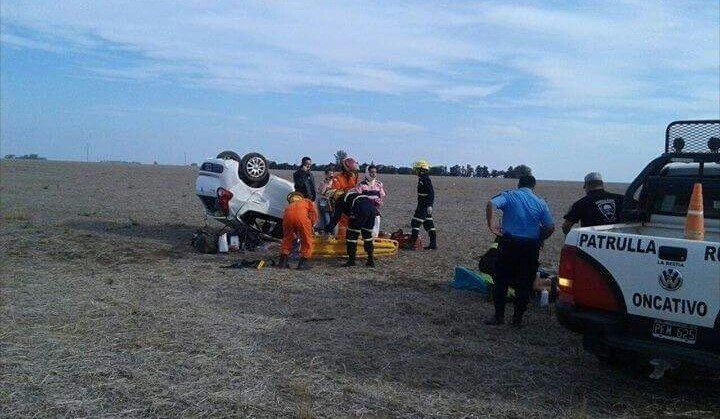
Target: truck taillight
(223, 200)
(583, 284)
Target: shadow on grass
(175, 234)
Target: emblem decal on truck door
(670, 279)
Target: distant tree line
(24, 157)
(456, 170)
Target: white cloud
(425, 67)
(604, 51)
(467, 92)
(357, 125)
(21, 42)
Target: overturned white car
(241, 191)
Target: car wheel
(229, 155)
(254, 170)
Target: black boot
(370, 250)
(433, 240)
(352, 253)
(303, 264)
(283, 262)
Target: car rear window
(212, 167)
(671, 196)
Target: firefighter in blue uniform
(424, 211)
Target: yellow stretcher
(330, 247)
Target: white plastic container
(223, 243)
(234, 243)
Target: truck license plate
(674, 331)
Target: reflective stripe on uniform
(368, 229)
(353, 230)
(416, 228)
(369, 240)
(429, 219)
(432, 229)
(358, 197)
(418, 219)
(422, 194)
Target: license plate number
(674, 331)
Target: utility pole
(87, 152)
(185, 155)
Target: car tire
(254, 170)
(229, 155)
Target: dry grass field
(107, 311)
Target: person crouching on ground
(298, 220)
(424, 211)
(372, 187)
(360, 211)
(526, 224)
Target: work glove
(429, 210)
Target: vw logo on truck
(670, 279)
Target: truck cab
(640, 287)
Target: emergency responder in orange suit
(345, 181)
(298, 220)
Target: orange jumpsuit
(344, 182)
(298, 219)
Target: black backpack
(487, 261)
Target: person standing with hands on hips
(526, 224)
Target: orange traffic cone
(695, 221)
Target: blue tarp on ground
(468, 280)
(465, 279)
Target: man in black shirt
(597, 207)
(304, 180)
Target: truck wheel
(254, 170)
(229, 155)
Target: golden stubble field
(107, 310)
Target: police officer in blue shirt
(526, 223)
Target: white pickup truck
(640, 288)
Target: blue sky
(566, 87)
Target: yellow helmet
(420, 165)
(294, 196)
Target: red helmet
(350, 164)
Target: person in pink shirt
(372, 187)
